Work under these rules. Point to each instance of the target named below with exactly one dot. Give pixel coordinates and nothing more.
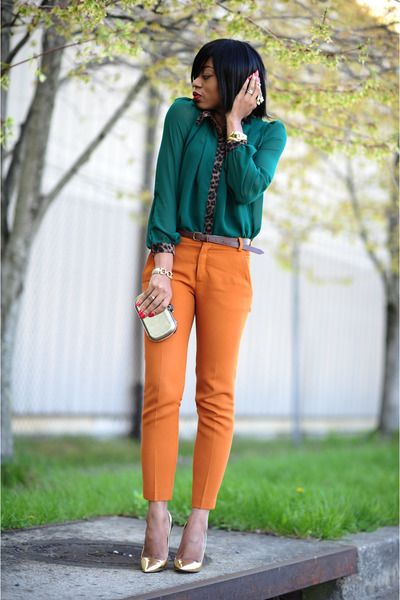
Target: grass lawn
(324, 488)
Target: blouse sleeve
(249, 170)
(161, 227)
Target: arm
(161, 228)
(163, 259)
(250, 170)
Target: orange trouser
(213, 283)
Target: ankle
(157, 505)
(157, 510)
(199, 515)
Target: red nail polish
(142, 314)
(152, 314)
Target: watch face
(236, 135)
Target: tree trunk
(389, 398)
(26, 221)
(6, 18)
(389, 414)
(137, 388)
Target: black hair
(234, 61)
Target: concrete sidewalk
(99, 558)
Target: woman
(217, 157)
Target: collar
(208, 113)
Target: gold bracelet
(162, 271)
(237, 136)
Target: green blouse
(203, 183)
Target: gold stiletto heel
(190, 566)
(152, 565)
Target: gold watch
(237, 136)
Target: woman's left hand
(245, 103)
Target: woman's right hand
(160, 288)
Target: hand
(159, 287)
(245, 103)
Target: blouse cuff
(231, 144)
(163, 247)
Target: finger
(246, 85)
(161, 307)
(143, 296)
(256, 92)
(144, 299)
(139, 299)
(156, 309)
(250, 96)
(156, 304)
(250, 92)
(253, 83)
(151, 302)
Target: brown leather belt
(220, 239)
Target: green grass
(324, 488)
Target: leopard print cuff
(231, 144)
(163, 247)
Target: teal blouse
(196, 163)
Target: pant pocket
(229, 277)
(247, 268)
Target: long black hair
(234, 61)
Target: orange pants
(213, 283)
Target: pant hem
(201, 506)
(158, 499)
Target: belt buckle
(194, 236)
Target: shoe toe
(150, 564)
(187, 565)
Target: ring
(250, 92)
(152, 297)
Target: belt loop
(240, 244)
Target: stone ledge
(100, 558)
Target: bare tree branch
(46, 199)
(7, 67)
(362, 230)
(23, 40)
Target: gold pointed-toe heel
(152, 565)
(190, 566)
